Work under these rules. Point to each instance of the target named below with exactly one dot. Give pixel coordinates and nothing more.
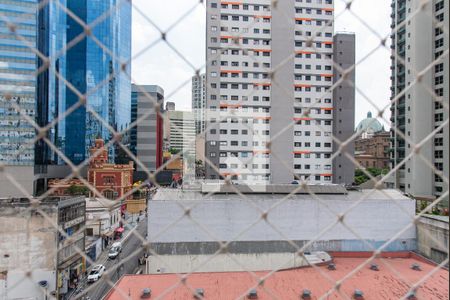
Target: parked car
(96, 273)
(115, 250)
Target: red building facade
(111, 180)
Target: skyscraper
(248, 105)
(419, 43)
(92, 67)
(146, 138)
(17, 92)
(17, 82)
(199, 101)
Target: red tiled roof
(382, 284)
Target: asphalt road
(125, 263)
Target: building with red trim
(112, 181)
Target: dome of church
(369, 125)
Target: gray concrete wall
(28, 243)
(230, 262)
(23, 175)
(344, 108)
(299, 218)
(432, 237)
(282, 93)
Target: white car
(96, 273)
(115, 250)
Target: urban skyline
(281, 198)
(164, 60)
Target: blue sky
(161, 65)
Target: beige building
(373, 152)
(31, 241)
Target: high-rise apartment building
(419, 43)
(269, 97)
(17, 92)
(146, 138)
(91, 67)
(199, 101)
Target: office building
(248, 106)
(93, 70)
(17, 93)
(199, 101)
(180, 132)
(147, 135)
(419, 43)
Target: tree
(78, 190)
(361, 176)
(174, 151)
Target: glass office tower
(17, 82)
(92, 67)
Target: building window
(108, 194)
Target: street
(125, 263)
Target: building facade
(344, 107)
(17, 82)
(17, 92)
(199, 101)
(247, 106)
(418, 42)
(112, 181)
(181, 132)
(147, 135)
(32, 242)
(90, 69)
(373, 152)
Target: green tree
(78, 190)
(174, 151)
(361, 176)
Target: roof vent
(416, 267)
(358, 295)
(306, 295)
(146, 293)
(374, 267)
(411, 295)
(252, 294)
(331, 266)
(199, 293)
